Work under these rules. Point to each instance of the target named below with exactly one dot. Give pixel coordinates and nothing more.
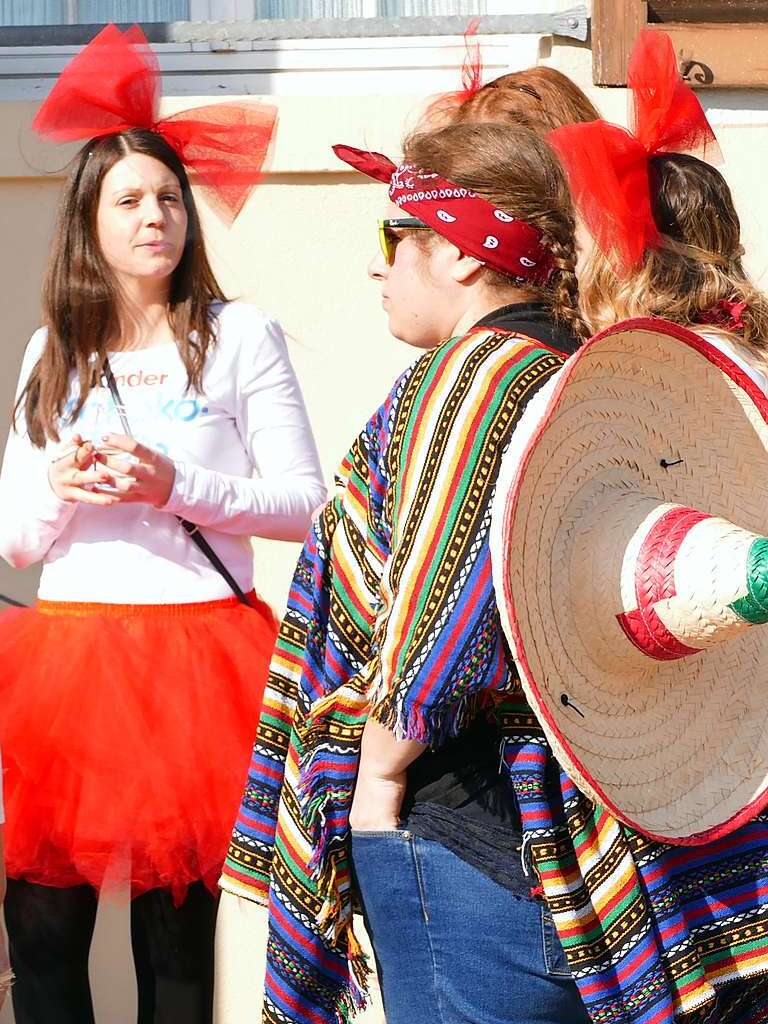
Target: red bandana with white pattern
(475, 226)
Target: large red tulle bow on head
(113, 84)
(608, 167)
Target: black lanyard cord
(191, 529)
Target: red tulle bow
(445, 104)
(472, 68)
(608, 167)
(728, 314)
(113, 84)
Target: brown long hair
(540, 98)
(696, 267)
(80, 292)
(515, 170)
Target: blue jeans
(454, 947)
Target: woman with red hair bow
(661, 236)
(129, 694)
(654, 931)
(540, 98)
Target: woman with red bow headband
(540, 98)
(129, 694)
(661, 234)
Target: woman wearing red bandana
(662, 235)
(129, 694)
(653, 932)
(391, 676)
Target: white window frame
(362, 65)
(295, 67)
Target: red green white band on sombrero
(696, 580)
(644, 419)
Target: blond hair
(696, 267)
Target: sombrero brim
(675, 749)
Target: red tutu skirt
(126, 734)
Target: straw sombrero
(631, 570)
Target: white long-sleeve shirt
(249, 419)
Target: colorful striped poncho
(392, 614)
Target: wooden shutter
(720, 43)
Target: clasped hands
(145, 477)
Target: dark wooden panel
(615, 26)
(717, 11)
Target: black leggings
(49, 933)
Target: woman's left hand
(146, 478)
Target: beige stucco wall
(300, 247)
(300, 250)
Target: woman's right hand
(71, 476)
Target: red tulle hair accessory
(113, 84)
(728, 314)
(608, 167)
(444, 105)
(472, 68)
